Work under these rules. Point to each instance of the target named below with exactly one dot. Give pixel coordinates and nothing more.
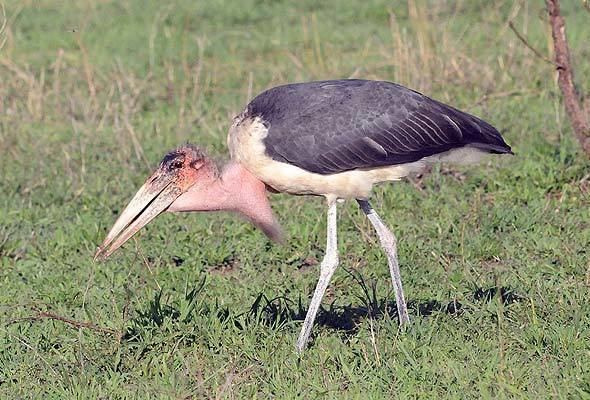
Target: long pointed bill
(151, 200)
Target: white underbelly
(245, 142)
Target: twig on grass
(41, 315)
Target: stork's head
(179, 171)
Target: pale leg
(327, 268)
(388, 242)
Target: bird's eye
(176, 164)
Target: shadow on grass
(281, 310)
(278, 311)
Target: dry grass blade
(88, 69)
(3, 37)
(426, 55)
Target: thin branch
(565, 76)
(76, 324)
(499, 95)
(527, 44)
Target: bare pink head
(187, 180)
(183, 168)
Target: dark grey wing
(334, 126)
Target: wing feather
(334, 126)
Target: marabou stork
(330, 138)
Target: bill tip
(99, 255)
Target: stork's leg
(327, 268)
(388, 242)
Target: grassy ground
(494, 258)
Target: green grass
(494, 257)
